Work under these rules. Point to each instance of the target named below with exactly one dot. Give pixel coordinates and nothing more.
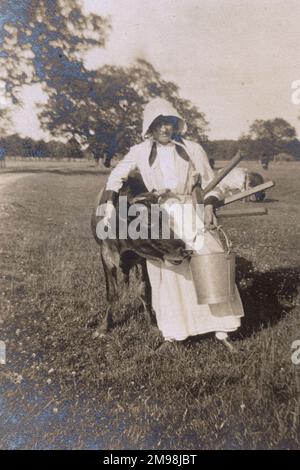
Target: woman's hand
(210, 220)
(109, 212)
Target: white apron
(173, 293)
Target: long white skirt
(174, 300)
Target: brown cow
(125, 254)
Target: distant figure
(106, 161)
(264, 160)
(2, 157)
(255, 179)
(96, 158)
(212, 163)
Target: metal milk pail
(214, 275)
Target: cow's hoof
(95, 335)
(165, 347)
(98, 334)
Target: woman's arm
(119, 174)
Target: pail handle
(228, 242)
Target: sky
(235, 59)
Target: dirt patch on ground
(6, 179)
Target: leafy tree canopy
(272, 129)
(44, 41)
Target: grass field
(62, 389)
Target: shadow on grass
(268, 200)
(266, 296)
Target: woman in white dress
(166, 160)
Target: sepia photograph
(149, 227)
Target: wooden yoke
(241, 212)
(219, 176)
(198, 193)
(249, 192)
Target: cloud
(25, 118)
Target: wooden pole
(219, 176)
(249, 192)
(241, 212)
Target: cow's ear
(146, 198)
(139, 199)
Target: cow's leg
(106, 323)
(109, 262)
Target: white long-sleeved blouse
(153, 175)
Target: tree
(41, 149)
(269, 137)
(5, 120)
(13, 145)
(221, 149)
(57, 149)
(44, 41)
(109, 119)
(28, 146)
(74, 149)
(273, 130)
